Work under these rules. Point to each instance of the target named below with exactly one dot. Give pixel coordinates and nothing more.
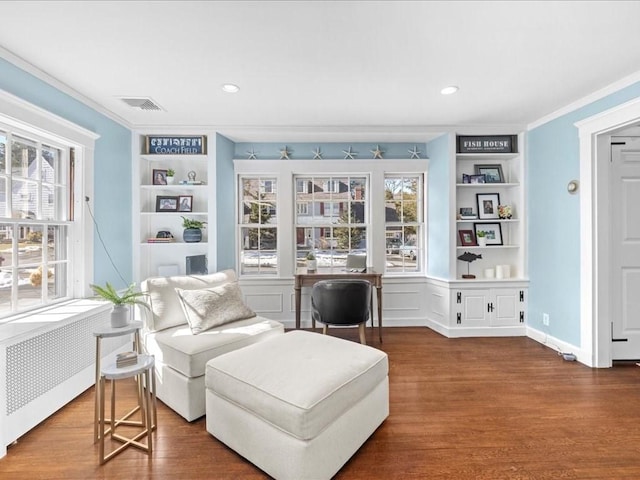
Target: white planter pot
(312, 265)
(170, 180)
(120, 316)
(482, 241)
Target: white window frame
(286, 170)
(23, 117)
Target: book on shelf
(159, 240)
(468, 217)
(125, 359)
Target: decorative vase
(312, 266)
(120, 316)
(192, 235)
(482, 241)
(169, 180)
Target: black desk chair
(341, 302)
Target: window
(258, 226)
(34, 221)
(403, 223)
(335, 221)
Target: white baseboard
(559, 345)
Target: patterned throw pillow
(212, 307)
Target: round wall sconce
(572, 187)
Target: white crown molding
(63, 87)
(592, 97)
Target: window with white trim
(335, 223)
(35, 237)
(258, 226)
(404, 227)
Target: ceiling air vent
(142, 103)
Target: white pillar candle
(489, 273)
(499, 271)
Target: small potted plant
(312, 263)
(170, 174)
(121, 302)
(482, 238)
(192, 230)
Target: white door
(625, 249)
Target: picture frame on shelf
(466, 211)
(466, 178)
(492, 232)
(477, 179)
(488, 205)
(159, 177)
(185, 203)
(492, 173)
(467, 238)
(166, 203)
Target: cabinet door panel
(506, 307)
(474, 308)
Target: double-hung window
(35, 211)
(331, 218)
(404, 227)
(258, 225)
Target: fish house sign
(175, 145)
(488, 144)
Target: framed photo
(492, 232)
(159, 177)
(185, 203)
(166, 204)
(466, 211)
(467, 238)
(488, 205)
(477, 179)
(466, 178)
(492, 173)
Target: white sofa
(181, 355)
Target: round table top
(112, 372)
(106, 330)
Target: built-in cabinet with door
(488, 307)
(161, 205)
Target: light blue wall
(439, 208)
(553, 160)
(225, 203)
(112, 187)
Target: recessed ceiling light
(449, 90)
(230, 88)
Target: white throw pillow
(211, 307)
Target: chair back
(341, 301)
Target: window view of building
(404, 223)
(258, 222)
(34, 199)
(331, 219)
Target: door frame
(595, 308)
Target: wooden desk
(304, 279)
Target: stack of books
(125, 359)
(159, 240)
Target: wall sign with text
(175, 145)
(488, 144)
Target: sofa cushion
(165, 310)
(300, 381)
(214, 306)
(188, 354)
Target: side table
(142, 370)
(107, 331)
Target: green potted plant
(482, 238)
(121, 302)
(312, 262)
(170, 174)
(192, 230)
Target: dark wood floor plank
(481, 408)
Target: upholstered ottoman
(298, 405)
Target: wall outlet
(545, 319)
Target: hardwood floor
(481, 408)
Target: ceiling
(327, 70)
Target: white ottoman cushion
(299, 381)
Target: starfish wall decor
(377, 153)
(317, 154)
(415, 153)
(349, 154)
(252, 155)
(284, 153)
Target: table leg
(96, 416)
(297, 290)
(379, 294)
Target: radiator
(46, 360)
